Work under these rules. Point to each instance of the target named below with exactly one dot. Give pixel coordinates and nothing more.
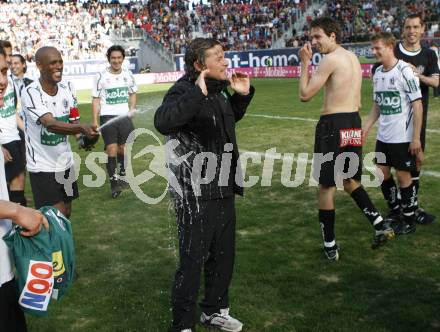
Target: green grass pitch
(127, 250)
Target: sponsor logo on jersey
(52, 139)
(116, 96)
(389, 102)
(8, 108)
(39, 285)
(350, 137)
(58, 263)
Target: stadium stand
(84, 30)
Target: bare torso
(342, 91)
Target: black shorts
(340, 136)
(11, 316)
(397, 155)
(47, 191)
(118, 131)
(17, 165)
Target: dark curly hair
(196, 52)
(114, 48)
(328, 25)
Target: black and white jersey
(425, 60)
(394, 92)
(47, 151)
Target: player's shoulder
(428, 52)
(377, 68)
(127, 71)
(403, 67)
(33, 85)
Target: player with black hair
(424, 64)
(51, 113)
(338, 131)
(114, 94)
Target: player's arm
(20, 123)
(372, 118)
(132, 89)
(59, 127)
(416, 146)
(96, 108)
(30, 219)
(309, 86)
(96, 98)
(132, 101)
(180, 105)
(432, 81)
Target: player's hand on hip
(31, 220)
(7, 155)
(305, 53)
(415, 147)
(89, 130)
(240, 83)
(201, 81)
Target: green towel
(45, 263)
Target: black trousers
(11, 316)
(206, 231)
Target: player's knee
(404, 178)
(111, 150)
(350, 185)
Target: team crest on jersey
(392, 81)
(125, 79)
(65, 103)
(350, 137)
(421, 69)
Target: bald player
(50, 113)
(338, 130)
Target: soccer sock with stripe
(111, 168)
(327, 222)
(121, 164)
(389, 191)
(415, 179)
(362, 200)
(409, 202)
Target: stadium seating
(85, 30)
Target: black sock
(362, 200)
(389, 191)
(17, 196)
(409, 202)
(327, 221)
(111, 168)
(121, 164)
(415, 179)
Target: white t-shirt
(114, 90)
(8, 117)
(6, 273)
(394, 91)
(46, 151)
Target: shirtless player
(338, 130)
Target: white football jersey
(114, 90)
(394, 91)
(47, 151)
(6, 272)
(8, 116)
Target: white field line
(437, 131)
(309, 161)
